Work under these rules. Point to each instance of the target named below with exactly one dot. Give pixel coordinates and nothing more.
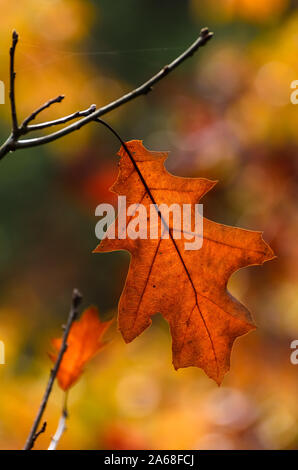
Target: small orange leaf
(84, 341)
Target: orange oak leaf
(188, 287)
(84, 341)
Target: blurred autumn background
(225, 114)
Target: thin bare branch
(15, 38)
(46, 105)
(38, 433)
(63, 120)
(76, 301)
(205, 35)
(13, 143)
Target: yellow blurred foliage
(48, 64)
(248, 10)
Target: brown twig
(14, 143)
(63, 120)
(76, 300)
(46, 105)
(12, 97)
(42, 430)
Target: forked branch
(14, 142)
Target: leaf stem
(61, 425)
